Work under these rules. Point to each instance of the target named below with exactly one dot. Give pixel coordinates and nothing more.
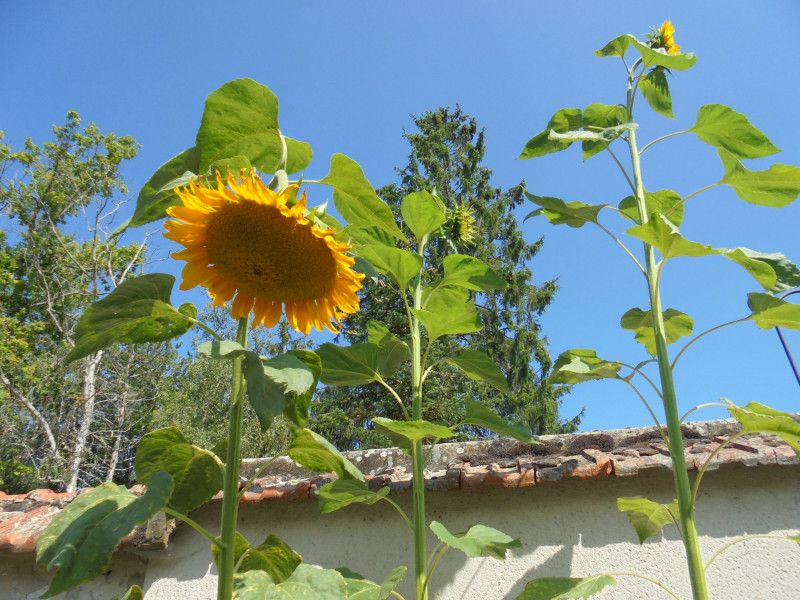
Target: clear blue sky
(349, 74)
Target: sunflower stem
(230, 490)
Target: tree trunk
(88, 397)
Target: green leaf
(317, 454)
(566, 119)
(273, 556)
(578, 365)
(241, 119)
(158, 193)
(343, 492)
(470, 273)
(769, 311)
(479, 367)
(355, 198)
(558, 588)
(616, 47)
(772, 270)
(272, 383)
(421, 214)
(196, 473)
(298, 155)
(306, 583)
(81, 538)
(606, 117)
(647, 517)
(575, 214)
(297, 408)
(722, 127)
(667, 239)
(359, 588)
(442, 320)
(757, 418)
(406, 433)
(477, 540)
(232, 165)
(137, 311)
(134, 593)
(483, 416)
(676, 326)
(650, 56)
(350, 365)
(655, 89)
(776, 187)
(221, 349)
(666, 202)
(391, 351)
(399, 265)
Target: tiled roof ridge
(466, 466)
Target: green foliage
(576, 366)
(305, 583)
(359, 588)
(273, 556)
(776, 187)
(676, 325)
(757, 418)
(477, 540)
(317, 454)
(722, 127)
(646, 516)
(344, 492)
(655, 89)
(405, 433)
(479, 367)
(559, 588)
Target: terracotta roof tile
(469, 466)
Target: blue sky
(348, 75)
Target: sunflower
(244, 239)
(663, 39)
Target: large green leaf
(470, 273)
(81, 538)
(776, 187)
(575, 214)
(479, 367)
(349, 365)
(651, 57)
(343, 492)
(406, 433)
(133, 593)
(158, 193)
(360, 588)
(772, 270)
(272, 383)
(566, 119)
(483, 416)
(355, 198)
(578, 365)
(666, 202)
(647, 517)
(655, 89)
(273, 556)
(667, 239)
(676, 326)
(137, 311)
(560, 588)
(221, 349)
(306, 583)
(723, 127)
(769, 311)
(477, 540)
(442, 320)
(297, 408)
(421, 214)
(603, 116)
(298, 155)
(399, 265)
(757, 418)
(317, 454)
(391, 351)
(196, 473)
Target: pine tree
(446, 154)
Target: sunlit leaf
(769, 311)
(442, 320)
(776, 187)
(574, 214)
(298, 403)
(655, 89)
(606, 117)
(349, 365)
(722, 127)
(778, 274)
(559, 588)
(421, 214)
(405, 433)
(578, 365)
(667, 239)
(221, 349)
(355, 198)
(272, 556)
(666, 202)
(317, 454)
(647, 517)
(399, 265)
(196, 473)
(360, 588)
(477, 540)
(343, 492)
(566, 119)
(676, 326)
(272, 383)
(471, 273)
(391, 351)
(133, 593)
(650, 56)
(306, 583)
(137, 311)
(479, 367)
(757, 418)
(483, 416)
(81, 538)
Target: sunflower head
(243, 241)
(662, 38)
(459, 226)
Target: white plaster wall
(568, 529)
